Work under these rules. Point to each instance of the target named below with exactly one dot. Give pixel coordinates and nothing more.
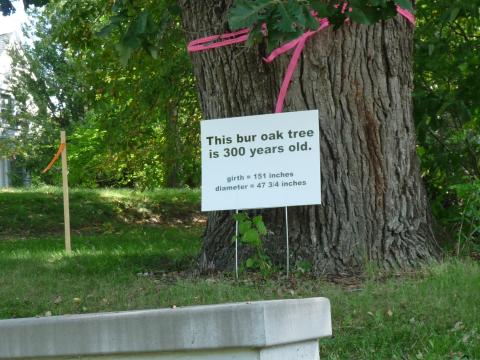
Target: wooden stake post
(66, 203)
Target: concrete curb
(238, 326)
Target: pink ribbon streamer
(406, 14)
(298, 44)
(216, 41)
(241, 36)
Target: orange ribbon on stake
(55, 158)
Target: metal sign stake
(288, 244)
(236, 247)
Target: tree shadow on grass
(40, 212)
(95, 265)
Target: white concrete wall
(269, 330)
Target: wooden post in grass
(66, 203)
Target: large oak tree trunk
(374, 207)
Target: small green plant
(468, 233)
(251, 232)
(303, 267)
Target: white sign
(261, 161)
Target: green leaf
(260, 225)
(310, 23)
(365, 14)
(124, 53)
(337, 19)
(140, 24)
(463, 68)
(256, 35)
(262, 229)
(379, 3)
(153, 51)
(251, 237)
(362, 15)
(404, 4)
(454, 13)
(323, 10)
(118, 19)
(244, 226)
(246, 13)
(106, 30)
(286, 21)
(250, 263)
(175, 9)
(119, 5)
(240, 216)
(132, 42)
(296, 9)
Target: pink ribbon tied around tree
(241, 36)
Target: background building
(5, 132)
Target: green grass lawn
(136, 251)
(36, 212)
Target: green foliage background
(129, 125)
(447, 113)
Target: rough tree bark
(374, 207)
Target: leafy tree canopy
(132, 125)
(288, 19)
(447, 110)
(285, 19)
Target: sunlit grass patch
(39, 211)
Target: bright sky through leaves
(13, 22)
